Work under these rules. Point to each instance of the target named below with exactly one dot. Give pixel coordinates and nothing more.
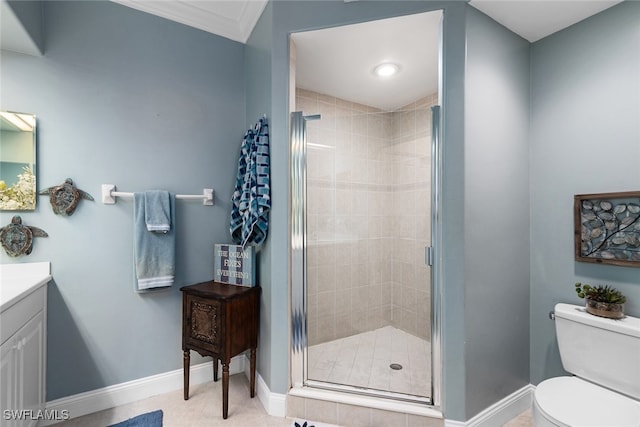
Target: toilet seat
(571, 401)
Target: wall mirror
(17, 161)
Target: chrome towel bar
(109, 195)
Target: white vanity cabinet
(23, 319)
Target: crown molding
(235, 23)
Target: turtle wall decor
(65, 197)
(17, 238)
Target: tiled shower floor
(363, 360)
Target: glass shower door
(361, 225)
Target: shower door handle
(428, 255)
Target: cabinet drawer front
(204, 324)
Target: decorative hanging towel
(251, 198)
(154, 239)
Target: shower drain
(395, 366)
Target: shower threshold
(361, 391)
(384, 401)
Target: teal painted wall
(125, 98)
(496, 212)
(287, 17)
(452, 93)
(585, 138)
(258, 79)
(131, 99)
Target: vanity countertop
(19, 280)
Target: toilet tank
(600, 350)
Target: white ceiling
(536, 19)
(233, 19)
(13, 35)
(339, 61)
(325, 56)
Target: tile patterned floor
(363, 360)
(522, 420)
(204, 408)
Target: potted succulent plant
(602, 300)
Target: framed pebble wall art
(607, 228)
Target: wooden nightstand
(221, 321)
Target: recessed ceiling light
(386, 69)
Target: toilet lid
(575, 402)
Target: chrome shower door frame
(436, 258)
(298, 277)
(298, 245)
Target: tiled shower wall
(368, 221)
(410, 220)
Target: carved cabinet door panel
(203, 324)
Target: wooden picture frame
(607, 228)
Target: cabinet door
(8, 392)
(203, 324)
(31, 365)
(22, 379)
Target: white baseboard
(500, 412)
(132, 391)
(274, 403)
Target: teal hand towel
(157, 210)
(154, 252)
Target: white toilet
(604, 357)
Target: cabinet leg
(225, 389)
(252, 372)
(215, 369)
(186, 356)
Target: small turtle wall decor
(17, 238)
(65, 197)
